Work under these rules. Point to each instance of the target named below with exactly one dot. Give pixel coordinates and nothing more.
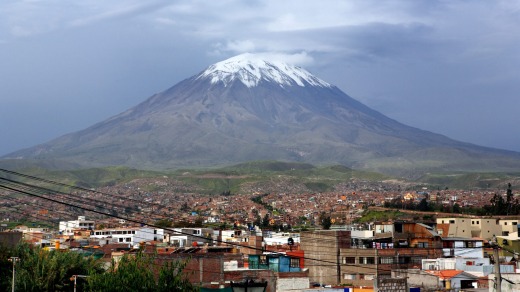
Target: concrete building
(484, 228)
(462, 247)
(510, 282)
(132, 236)
(322, 254)
(68, 227)
(480, 267)
(508, 226)
(438, 279)
(183, 237)
(454, 227)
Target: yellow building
(484, 228)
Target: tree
(456, 208)
(498, 205)
(185, 207)
(171, 278)
(42, 270)
(423, 205)
(137, 272)
(164, 223)
(131, 273)
(325, 221)
(509, 199)
(265, 221)
(258, 221)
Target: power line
(27, 189)
(139, 222)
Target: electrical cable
(110, 215)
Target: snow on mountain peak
(250, 69)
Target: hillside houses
(360, 255)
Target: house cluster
(448, 254)
(152, 199)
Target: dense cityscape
(361, 236)
(274, 146)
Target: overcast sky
(450, 67)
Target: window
(386, 260)
(505, 223)
(262, 260)
(120, 239)
(515, 223)
(422, 244)
(452, 221)
(294, 263)
(350, 260)
(370, 261)
(417, 260)
(128, 239)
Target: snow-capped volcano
(250, 108)
(251, 69)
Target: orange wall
(298, 254)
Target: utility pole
(14, 260)
(498, 276)
(75, 277)
(338, 264)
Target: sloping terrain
(245, 109)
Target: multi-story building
(323, 254)
(132, 236)
(184, 237)
(455, 227)
(470, 227)
(508, 226)
(462, 247)
(68, 227)
(359, 256)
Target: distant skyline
(449, 67)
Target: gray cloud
(450, 67)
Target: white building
(463, 247)
(132, 236)
(67, 227)
(479, 267)
(280, 238)
(185, 237)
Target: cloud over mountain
(252, 108)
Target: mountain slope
(246, 108)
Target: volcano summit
(250, 108)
